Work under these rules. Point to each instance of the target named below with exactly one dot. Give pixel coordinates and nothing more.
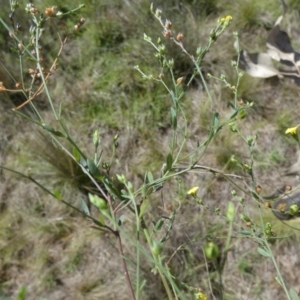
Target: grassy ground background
(50, 249)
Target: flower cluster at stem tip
(226, 19)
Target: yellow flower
(292, 130)
(226, 19)
(200, 296)
(193, 191)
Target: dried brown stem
(124, 265)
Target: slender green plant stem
(37, 114)
(70, 12)
(270, 252)
(278, 271)
(137, 220)
(28, 118)
(37, 37)
(225, 254)
(204, 83)
(156, 260)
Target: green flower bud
(98, 202)
(230, 212)
(294, 209)
(232, 127)
(212, 251)
(213, 35)
(245, 218)
(157, 248)
(96, 139)
(159, 224)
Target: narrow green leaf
(22, 294)
(174, 123)
(159, 224)
(216, 119)
(255, 196)
(169, 162)
(93, 169)
(101, 219)
(112, 189)
(245, 232)
(57, 195)
(150, 177)
(279, 281)
(174, 99)
(158, 187)
(85, 208)
(231, 104)
(96, 139)
(216, 127)
(53, 131)
(76, 154)
(125, 196)
(243, 114)
(144, 207)
(173, 112)
(129, 186)
(144, 191)
(263, 252)
(143, 283)
(294, 295)
(234, 114)
(59, 110)
(174, 118)
(121, 220)
(99, 159)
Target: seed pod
(212, 251)
(179, 37)
(283, 208)
(19, 85)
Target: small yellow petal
(227, 19)
(193, 191)
(200, 296)
(292, 130)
